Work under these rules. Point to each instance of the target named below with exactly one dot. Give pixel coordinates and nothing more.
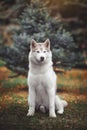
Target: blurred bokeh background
(64, 22)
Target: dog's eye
(38, 51)
(44, 51)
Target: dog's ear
(47, 44)
(33, 44)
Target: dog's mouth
(42, 59)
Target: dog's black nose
(42, 58)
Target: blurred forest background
(64, 22)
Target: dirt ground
(72, 87)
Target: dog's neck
(39, 69)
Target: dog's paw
(30, 113)
(53, 115)
(60, 111)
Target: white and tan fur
(42, 81)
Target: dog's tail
(60, 104)
(65, 103)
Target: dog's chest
(43, 80)
(40, 81)
(41, 91)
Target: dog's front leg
(31, 101)
(51, 94)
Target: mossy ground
(13, 104)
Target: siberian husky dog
(42, 81)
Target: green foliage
(36, 23)
(2, 63)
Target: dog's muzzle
(41, 58)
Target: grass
(12, 83)
(14, 106)
(73, 82)
(74, 118)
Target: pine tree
(36, 23)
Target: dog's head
(40, 52)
